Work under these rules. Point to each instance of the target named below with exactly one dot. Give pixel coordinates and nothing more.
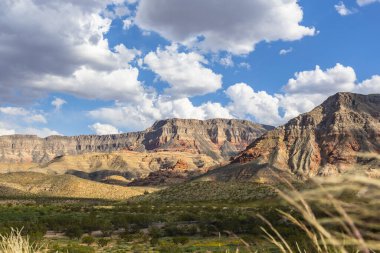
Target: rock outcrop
(325, 141)
(217, 138)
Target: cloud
(41, 132)
(104, 129)
(137, 116)
(19, 120)
(233, 26)
(246, 103)
(121, 84)
(4, 130)
(286, 51)
(245, 65)
(227, 61)
(10, 128)
(183, 108)
(29, 116)
(128, 23)
(310, 88)
(7, 131)
(185, 72)
(366, 2)
(369, 86)
(301, 94)
(318, 81)
(58, 103)
(15, 111)
(342, 9)
(43, 49)
(306, 90)
(37, 118)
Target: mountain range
(339, 136)
(217, 138)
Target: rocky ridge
(325, 141)
(217, 138)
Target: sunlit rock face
(217, 138)
(325, 141)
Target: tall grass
(337, 215)
(14, 242)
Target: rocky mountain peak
(326, 140)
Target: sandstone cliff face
(218, 138)
(324, 141)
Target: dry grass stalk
(349, 224)
(14, 242)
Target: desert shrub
(171, 229)
(105, 226)
(206, 229)
(72, 248)
(88, 240)
(154, 241)
(102, 242)
(187, 216)
(74, 232)
(168, 247)
(155, 232)
(180, 240)
(189, 230)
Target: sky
(112, 66)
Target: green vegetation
(233, 192)
(265, 221)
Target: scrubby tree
(74, 232)
(102, 242)
(88, 240)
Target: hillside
(125, 163)
(218, 138)
(37, 184)
(330, 139)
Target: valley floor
(236, 217)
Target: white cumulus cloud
(104, 129)
(142, 115)
(306, 90)
(342, 9)
(366, 2)
(58, 103)
(286, 51)
(233, 26)
(15, 111)
(40, 132)
(260, 106)
(301, 94)
(43, 49)
(185, 72)
(38, 118)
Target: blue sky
(92, 66)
